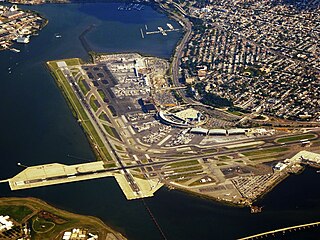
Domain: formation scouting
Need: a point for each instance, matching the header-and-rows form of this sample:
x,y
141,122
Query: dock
x,y
56,173
162,31
142,35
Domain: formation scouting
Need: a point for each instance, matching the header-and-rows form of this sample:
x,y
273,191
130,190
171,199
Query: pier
x,y
83,39
160,30
282,230
142,35
55,173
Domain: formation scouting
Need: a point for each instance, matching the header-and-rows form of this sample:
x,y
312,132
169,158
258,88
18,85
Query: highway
x,y
178,53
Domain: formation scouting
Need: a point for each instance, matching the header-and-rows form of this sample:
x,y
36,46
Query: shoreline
x,y
92,55
92,142
38,205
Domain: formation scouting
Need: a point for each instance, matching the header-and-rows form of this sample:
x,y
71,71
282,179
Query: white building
x,y
280,166
5,223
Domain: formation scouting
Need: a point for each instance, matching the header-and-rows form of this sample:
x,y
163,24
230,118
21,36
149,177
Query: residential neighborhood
x,y
260,55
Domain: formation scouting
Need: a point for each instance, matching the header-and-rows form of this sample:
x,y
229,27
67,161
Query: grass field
x,y
18,213
184,175
104,117
93,104
265,151
40,225
73,61
49,228
187,169
183,163
119,148
112,132
78,109
102,94
82,87
269,158
109,165
224,157
296,138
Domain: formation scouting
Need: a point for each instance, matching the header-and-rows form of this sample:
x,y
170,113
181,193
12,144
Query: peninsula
x,y
145,139
29,218
154,122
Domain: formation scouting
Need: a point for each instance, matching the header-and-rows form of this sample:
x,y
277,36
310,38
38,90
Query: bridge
x,y
282,230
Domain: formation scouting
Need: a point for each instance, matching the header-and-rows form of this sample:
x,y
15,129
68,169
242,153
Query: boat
x,y
22,39
57,35
15,50
170,26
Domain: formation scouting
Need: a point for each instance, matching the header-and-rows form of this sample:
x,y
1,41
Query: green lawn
x,y
72,61
79,111
102,94
110,165
104,117
221,164
40,225
183,163
265,151
185,175
268,159
82,87
74,72
112,132
45,228
237,113
92,103
118,147
18,213
187,169
295,138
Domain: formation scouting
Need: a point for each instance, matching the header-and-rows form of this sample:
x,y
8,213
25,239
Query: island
x,y
30,218
17,25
